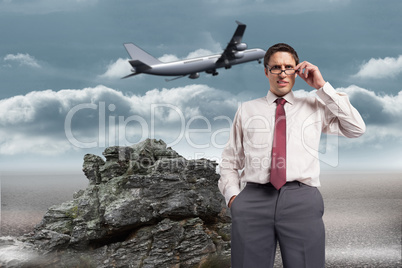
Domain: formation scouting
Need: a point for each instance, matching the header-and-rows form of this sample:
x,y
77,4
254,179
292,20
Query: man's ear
x,y
266,72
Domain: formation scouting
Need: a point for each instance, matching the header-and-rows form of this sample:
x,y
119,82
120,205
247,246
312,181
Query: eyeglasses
x,y
276,70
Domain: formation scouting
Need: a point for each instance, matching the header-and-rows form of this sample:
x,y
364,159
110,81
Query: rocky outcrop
x,y
145,206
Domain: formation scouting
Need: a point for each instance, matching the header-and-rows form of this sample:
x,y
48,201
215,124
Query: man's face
x,y
281,84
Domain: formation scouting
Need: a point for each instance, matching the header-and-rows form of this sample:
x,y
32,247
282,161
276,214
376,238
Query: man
x,y
273,148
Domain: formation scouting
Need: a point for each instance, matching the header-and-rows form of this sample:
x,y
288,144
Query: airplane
x,y
235,52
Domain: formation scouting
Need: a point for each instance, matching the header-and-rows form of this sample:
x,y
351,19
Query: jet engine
x,y
194,75
241,46
239,54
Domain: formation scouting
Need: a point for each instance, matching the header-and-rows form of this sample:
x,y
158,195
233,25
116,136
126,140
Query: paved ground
x,y
363,218
363,213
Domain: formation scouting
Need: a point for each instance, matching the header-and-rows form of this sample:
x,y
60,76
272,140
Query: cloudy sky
x,y
61,95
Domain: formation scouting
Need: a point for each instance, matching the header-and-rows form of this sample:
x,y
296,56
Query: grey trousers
x,y
292,216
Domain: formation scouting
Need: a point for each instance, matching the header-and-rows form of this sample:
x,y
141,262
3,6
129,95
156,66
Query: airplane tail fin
x,y
140,60
139,55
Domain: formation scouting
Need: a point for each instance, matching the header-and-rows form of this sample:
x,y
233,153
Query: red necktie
x,y
278,158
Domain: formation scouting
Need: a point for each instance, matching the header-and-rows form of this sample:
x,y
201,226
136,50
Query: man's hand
x,y
311,74
231,201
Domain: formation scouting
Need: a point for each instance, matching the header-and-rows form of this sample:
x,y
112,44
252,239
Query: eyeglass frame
x,y
282,71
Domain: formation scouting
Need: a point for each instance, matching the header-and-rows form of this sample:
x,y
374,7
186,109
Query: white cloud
x,y
380,68
194,54
382,115
117,69
168,58
22,59
375,109
210,44
59,122
300,93
199,53
50,122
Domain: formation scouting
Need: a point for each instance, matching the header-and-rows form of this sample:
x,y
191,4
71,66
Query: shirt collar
x,y
271,97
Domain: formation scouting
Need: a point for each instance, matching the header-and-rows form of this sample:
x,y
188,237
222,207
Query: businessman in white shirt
x,y
273,149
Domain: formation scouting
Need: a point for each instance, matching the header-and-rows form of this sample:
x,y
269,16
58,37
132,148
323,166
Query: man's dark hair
x,y
280,47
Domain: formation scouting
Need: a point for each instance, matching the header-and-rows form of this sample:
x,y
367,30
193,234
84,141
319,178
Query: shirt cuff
x,y
328,93
231,192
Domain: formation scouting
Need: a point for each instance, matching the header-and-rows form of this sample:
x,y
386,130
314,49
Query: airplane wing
x,y
234,44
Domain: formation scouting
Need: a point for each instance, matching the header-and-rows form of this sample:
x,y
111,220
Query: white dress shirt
x,y
247,156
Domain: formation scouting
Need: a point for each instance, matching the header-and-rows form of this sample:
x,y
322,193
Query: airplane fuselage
x,y
208,64
235,53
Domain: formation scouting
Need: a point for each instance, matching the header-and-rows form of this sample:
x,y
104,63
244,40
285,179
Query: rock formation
x,y
145,206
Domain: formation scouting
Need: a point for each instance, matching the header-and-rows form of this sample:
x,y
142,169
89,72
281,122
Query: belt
x,y
288,184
